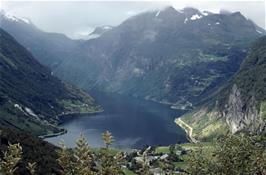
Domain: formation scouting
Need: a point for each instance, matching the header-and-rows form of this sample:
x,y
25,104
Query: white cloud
x,y
71,17
131,13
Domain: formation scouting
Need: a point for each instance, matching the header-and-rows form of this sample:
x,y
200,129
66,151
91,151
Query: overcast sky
x,y
78,18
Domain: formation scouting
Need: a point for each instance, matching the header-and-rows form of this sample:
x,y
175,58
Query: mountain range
x,y
170,56
177,57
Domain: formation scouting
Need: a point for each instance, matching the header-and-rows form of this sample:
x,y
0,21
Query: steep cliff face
x,y
242,115
240,105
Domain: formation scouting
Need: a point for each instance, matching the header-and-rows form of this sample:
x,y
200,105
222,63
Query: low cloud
x,y
76,18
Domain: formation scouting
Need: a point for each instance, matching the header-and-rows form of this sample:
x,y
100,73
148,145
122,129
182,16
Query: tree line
x,y
241,154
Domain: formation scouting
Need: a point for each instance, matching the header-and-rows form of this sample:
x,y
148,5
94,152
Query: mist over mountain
x,y
170,56
31,97
98,31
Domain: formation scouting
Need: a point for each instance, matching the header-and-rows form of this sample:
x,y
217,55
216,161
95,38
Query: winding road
x,y
188,129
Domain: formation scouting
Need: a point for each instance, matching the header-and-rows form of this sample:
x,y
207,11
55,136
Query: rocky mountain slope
x,y
170,56
30,96
240,105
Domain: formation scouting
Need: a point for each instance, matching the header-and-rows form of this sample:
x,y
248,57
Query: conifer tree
x,y
109,163
76,162
83,159
65,160
11,158
32,168
107,138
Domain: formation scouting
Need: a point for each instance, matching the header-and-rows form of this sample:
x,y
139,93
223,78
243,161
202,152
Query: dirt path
x,y
188,129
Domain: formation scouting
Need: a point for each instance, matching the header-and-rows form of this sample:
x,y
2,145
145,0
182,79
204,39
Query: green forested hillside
x,y
240,104
251,78
30,96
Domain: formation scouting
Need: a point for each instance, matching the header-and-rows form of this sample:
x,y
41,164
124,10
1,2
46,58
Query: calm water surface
x,y
134,123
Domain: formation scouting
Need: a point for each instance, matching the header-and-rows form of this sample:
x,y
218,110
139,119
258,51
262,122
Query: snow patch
x,y
205,13
195,17
158,13
18,106
30,112
25,20
209,24
217,23
107,27
27,111
11,17
16,19
259,31
185,21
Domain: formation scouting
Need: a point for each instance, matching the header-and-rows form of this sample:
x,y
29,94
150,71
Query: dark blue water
x,y
134,123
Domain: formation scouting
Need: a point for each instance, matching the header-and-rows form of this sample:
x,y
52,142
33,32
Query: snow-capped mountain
x,y
168,55
10,17
190,52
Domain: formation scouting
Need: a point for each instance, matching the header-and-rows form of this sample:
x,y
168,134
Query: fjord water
x,y
133,122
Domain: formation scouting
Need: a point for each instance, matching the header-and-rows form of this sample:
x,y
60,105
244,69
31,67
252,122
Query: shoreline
x,y
53,134
78,113
188,129
63,130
